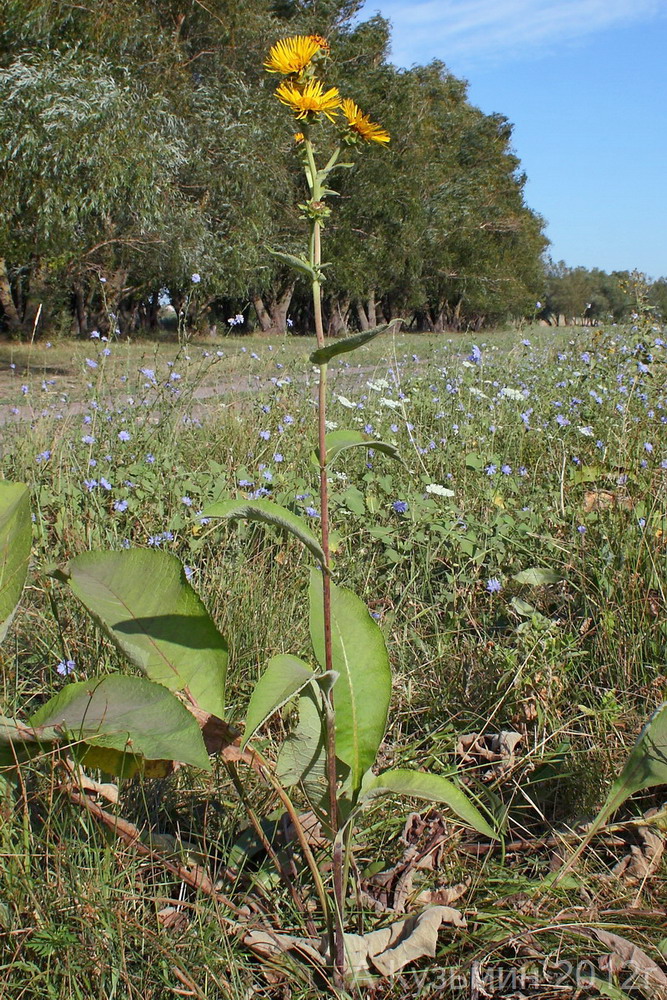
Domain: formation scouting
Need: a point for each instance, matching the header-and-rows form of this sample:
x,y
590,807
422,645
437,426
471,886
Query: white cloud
x,y
464,33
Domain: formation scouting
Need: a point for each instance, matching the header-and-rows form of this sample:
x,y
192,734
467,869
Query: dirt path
x,y
220,391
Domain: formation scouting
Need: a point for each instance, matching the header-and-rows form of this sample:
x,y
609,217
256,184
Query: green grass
x,y
575,666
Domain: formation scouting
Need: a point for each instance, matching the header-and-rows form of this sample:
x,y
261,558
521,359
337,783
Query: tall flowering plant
x,y
343,704
145,603
300,60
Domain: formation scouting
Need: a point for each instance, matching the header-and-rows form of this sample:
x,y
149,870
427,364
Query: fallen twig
x,y
195,877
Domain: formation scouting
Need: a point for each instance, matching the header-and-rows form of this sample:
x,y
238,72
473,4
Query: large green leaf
x,y
284,676
433,788
129,714
19,741
268,513
302,757
363,689
115,762
298,263
143,601
646,767
13,731
324,354
15,542
337,441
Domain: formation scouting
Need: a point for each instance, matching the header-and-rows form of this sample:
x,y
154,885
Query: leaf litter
x,y
426,840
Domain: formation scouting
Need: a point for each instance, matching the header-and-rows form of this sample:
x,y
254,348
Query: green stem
x,y
268,847
312,178
268,775
346,836
339,891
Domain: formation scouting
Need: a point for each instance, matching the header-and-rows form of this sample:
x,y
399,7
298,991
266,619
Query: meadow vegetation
x,y
334,665
530,449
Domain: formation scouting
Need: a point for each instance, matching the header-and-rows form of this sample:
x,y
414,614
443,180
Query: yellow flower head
x,y
309,99
299,137
361,124
291,55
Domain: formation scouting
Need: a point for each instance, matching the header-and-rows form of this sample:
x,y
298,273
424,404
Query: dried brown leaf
x,y
173,918
426,839
625,954
598,500
495,749
388,891
443,896
272,944
428,835
391,948
385,951
643,859
312,830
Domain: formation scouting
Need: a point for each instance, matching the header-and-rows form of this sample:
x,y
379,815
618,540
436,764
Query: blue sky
x,y
585,84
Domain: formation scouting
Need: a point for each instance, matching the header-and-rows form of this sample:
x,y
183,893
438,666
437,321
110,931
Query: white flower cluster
x,y
344,401
514,394
438,490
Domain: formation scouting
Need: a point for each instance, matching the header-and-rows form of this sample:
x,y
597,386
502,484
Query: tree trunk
x,y
361,315
338,318
178,302
80,313
273,319
262,313
34,315
131,317
11,316
371,309
279,308
152,313
115,292
436,320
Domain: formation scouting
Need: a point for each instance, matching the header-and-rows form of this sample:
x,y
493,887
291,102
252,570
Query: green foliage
x,y
15,544
110,722
267,512
590,295
339,441
93,147
283,678
19,741
433,788
573,665
128,714
148,609
363,688
130,150
302,759
645,768
325,354
537,576
297,263
444,561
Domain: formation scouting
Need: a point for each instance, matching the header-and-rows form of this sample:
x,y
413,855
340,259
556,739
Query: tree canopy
x,y
594,296
140,142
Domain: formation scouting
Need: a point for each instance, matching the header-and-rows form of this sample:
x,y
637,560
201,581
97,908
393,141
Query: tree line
x,y
592,296
141,145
